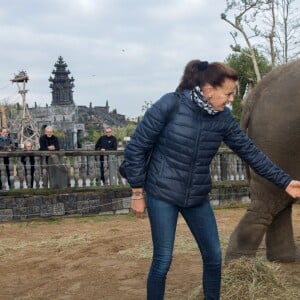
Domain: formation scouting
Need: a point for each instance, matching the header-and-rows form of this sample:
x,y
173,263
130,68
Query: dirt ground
x,y
103,257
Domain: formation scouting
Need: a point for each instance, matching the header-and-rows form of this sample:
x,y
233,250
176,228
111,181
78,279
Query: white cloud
x,y
126,51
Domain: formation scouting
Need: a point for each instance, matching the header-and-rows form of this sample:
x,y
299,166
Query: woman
x,y
178,177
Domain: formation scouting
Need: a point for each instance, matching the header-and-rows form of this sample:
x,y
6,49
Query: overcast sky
x,y
123,51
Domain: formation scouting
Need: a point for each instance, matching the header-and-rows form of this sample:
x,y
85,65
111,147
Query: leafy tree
x,y
242,15
93,134
146,105
121,132
242,63
268,25
59,133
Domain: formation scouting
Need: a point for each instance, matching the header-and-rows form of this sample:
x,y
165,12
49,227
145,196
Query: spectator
x,y
106,142
48,141
28,147
6,144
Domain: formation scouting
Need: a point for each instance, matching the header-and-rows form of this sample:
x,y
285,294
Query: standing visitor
x,y
106,142
6,145
48,141
177,178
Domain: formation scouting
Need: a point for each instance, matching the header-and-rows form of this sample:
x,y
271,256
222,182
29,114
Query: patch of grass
x,y
57,242
183,244
105,218
252,279
62,242
7,245
52,221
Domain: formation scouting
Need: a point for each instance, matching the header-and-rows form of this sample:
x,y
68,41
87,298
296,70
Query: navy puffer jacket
x,y
183,148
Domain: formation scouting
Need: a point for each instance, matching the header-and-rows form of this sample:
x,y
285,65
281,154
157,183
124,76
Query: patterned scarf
x,y
198,97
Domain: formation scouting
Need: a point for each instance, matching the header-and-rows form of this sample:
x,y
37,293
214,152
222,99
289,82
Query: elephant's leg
x,y
280,242
269,212
247,236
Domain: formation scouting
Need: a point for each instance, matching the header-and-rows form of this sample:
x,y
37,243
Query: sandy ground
x,y
103,257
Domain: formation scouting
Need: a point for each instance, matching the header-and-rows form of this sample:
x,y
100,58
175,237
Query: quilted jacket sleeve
x,y
243,146
145,137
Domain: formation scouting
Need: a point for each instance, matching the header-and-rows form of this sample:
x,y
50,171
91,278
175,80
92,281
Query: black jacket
x,y
6,143
45,142
107,143
179,170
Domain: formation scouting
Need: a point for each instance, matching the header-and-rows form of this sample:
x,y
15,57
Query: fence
x,y
69,183
44,169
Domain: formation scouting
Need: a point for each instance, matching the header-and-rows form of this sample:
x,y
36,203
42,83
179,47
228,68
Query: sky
x,y
126,52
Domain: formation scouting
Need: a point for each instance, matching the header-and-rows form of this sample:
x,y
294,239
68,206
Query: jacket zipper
x,y
199,132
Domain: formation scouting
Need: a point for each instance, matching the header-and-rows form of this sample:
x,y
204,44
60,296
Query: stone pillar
x,y
58,172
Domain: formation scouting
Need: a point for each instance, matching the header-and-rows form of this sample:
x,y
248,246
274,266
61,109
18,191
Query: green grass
x,y
105,218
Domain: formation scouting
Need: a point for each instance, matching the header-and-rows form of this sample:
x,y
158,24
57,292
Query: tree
x,y
121,132
245,14
146,105
242,63
288,34
281,31
268,25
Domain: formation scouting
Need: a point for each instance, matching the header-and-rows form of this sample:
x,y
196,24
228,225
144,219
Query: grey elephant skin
x,y
271,118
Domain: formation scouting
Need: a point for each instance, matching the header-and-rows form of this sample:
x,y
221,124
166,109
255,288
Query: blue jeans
x,y
201,221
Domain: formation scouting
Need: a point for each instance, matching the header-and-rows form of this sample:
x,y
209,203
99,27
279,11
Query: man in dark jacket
x,y
106,142
48,141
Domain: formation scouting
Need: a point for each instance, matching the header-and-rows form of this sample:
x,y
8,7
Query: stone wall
x,y
53,203
26,205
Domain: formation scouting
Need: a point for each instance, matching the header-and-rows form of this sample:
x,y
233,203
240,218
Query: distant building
x,y
64,115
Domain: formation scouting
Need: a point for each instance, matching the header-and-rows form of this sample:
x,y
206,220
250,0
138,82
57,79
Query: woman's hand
x,y
138,203
293,189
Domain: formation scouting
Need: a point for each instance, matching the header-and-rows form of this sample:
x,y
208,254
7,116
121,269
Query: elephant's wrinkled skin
x,y
271,117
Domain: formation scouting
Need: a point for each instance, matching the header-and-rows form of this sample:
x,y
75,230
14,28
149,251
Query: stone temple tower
x,y
61,85
63,113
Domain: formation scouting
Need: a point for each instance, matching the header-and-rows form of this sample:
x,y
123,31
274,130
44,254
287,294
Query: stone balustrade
x,y
68,183
81,168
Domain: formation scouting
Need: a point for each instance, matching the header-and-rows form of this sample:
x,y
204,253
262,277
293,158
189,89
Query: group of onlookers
x,y
49,142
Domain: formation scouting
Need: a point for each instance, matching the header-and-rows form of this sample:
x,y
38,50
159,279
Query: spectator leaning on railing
x,y
6,144
48,141
106,142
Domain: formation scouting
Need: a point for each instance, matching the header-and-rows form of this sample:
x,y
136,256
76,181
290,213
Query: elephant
x,y
271,119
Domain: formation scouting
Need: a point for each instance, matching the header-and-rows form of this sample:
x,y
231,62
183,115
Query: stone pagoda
x,y
61,85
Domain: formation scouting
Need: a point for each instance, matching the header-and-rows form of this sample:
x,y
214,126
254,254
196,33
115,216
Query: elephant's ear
x,y
247,107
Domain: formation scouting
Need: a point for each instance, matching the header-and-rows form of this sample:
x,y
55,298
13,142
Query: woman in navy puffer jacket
x,y
183,131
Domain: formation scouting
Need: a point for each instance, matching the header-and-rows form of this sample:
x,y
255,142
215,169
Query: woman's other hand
x,y
138,203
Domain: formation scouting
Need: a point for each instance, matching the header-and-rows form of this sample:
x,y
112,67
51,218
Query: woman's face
x,y
220,96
